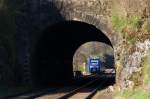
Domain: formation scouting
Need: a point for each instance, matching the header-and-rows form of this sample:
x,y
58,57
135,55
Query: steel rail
x,y
73,92
94,91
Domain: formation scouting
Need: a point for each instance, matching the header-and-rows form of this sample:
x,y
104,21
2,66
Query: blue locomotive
x,y
94,65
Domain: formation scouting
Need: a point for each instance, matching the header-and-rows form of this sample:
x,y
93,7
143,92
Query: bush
x,y
121,22
146,26
128,26
146,69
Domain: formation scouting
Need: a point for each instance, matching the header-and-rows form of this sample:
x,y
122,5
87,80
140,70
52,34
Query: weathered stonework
x,y
34,16
85,11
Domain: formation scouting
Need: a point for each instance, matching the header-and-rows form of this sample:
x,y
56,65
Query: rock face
x,y
128,56
129,61
130,42
132,65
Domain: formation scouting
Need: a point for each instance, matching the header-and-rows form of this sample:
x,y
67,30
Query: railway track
x,y
88,90
32,95
85,91
47,91
64,91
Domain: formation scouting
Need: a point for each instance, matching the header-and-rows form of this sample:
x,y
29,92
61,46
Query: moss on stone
x,y
119,22
122,22
146,68
128,26
146,26
136,77
147,1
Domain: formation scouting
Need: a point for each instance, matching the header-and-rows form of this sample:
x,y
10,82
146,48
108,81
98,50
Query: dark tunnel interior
x,y
52,59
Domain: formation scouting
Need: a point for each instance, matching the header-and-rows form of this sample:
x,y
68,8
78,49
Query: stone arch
x,y
55,52
96,20
100,21
46,13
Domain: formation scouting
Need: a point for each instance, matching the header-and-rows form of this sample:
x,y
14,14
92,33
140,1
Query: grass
x,y
147,26
121,22
127,25
146,68
141,95
133,94
81,68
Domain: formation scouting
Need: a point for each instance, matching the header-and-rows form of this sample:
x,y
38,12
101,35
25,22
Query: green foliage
x,y
134,22
121,22
146,68
133,94
141,95
147,26
127,25
132,39
81,68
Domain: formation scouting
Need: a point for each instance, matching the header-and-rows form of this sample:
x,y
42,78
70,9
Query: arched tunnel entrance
x,y
102,56
54,51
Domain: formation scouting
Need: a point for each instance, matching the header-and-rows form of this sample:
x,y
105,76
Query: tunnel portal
x,y
53,55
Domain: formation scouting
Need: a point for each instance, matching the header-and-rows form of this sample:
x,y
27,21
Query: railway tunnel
x,y
54,51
